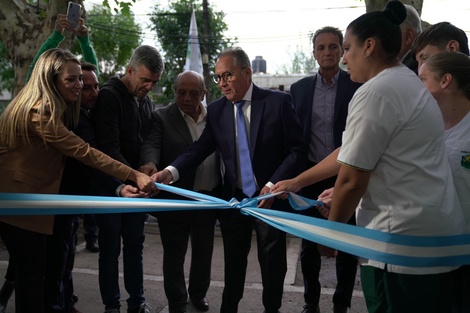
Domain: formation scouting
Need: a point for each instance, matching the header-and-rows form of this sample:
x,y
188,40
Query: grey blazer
x,y
168,138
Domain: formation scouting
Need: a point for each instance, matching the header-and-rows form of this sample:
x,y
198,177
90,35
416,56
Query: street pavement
x,y
86,279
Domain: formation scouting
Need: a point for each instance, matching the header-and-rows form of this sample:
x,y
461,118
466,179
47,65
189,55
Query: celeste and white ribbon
x,y
366,243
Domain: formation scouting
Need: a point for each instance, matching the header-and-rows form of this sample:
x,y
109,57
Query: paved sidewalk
x,y
86,280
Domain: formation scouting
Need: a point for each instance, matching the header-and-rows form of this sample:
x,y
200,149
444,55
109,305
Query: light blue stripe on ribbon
x,y
370,244
301,203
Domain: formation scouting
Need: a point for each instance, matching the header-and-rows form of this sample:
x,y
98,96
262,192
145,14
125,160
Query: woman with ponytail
x,y
394,162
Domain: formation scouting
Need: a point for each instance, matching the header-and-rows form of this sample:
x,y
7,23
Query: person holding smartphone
x,y
53,41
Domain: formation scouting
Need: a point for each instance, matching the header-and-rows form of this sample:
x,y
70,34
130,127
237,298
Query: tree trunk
x,y
205,47
23,29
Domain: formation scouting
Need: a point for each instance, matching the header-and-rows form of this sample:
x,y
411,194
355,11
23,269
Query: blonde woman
x,y
34,141
447,76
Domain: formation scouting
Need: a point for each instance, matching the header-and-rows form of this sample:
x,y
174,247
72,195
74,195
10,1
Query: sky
x,y
275,30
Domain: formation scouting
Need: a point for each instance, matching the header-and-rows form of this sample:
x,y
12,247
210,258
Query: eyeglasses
x,y
226,77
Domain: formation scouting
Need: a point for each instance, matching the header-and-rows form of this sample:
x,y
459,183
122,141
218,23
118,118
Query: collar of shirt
x,y
334,79
202,114
247,106
248,94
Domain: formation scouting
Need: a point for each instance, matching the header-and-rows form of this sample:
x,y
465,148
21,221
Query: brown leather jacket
x,y
38,167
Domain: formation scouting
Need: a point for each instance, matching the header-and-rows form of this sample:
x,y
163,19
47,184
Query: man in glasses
x,y
273,141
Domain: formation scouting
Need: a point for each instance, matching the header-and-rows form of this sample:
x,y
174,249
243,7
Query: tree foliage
x,y
6,69
114,37
172,28
302,63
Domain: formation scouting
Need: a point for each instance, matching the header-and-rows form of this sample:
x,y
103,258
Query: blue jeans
x,y
113,227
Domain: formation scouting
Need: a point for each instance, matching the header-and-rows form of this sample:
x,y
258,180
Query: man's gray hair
x,y
412,20
149,57
240,58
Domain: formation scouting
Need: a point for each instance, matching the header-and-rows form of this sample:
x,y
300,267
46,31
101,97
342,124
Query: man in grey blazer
x,y
174,128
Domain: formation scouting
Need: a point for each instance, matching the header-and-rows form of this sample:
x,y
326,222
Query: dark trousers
x,y
28,249
462,290
237,231
58,283
176,228
387,292
91,230
113,227
67,279
310,259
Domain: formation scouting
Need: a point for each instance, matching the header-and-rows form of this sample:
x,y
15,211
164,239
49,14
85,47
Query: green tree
x,y
114,37
172,27
302,63
6,69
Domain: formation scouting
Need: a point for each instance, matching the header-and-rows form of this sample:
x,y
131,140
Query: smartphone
x,y
73,13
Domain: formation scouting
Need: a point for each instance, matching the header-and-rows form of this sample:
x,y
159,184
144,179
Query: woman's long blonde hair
x,y
40,92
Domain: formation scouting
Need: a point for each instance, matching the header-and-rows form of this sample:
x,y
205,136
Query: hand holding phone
x,y
73,14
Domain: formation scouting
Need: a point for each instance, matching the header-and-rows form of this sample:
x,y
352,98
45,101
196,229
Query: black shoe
x,y
74,298
143,308
311,308
200,303
339,308
5,294
93,247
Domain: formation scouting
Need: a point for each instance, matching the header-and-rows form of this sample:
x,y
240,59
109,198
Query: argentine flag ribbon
x,y
366,243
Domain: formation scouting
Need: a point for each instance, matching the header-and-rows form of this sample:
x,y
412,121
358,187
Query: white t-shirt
x,y
395,130
457,140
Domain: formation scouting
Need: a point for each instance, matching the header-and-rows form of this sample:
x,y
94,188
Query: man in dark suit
x,y
321,102
275,152
175,127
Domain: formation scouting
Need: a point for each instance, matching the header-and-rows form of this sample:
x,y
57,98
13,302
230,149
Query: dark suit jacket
x,y
302,96
276,143
79,179
169,138
410,62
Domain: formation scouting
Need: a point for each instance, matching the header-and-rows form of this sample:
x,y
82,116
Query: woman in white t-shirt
x,y
447,76
393,158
